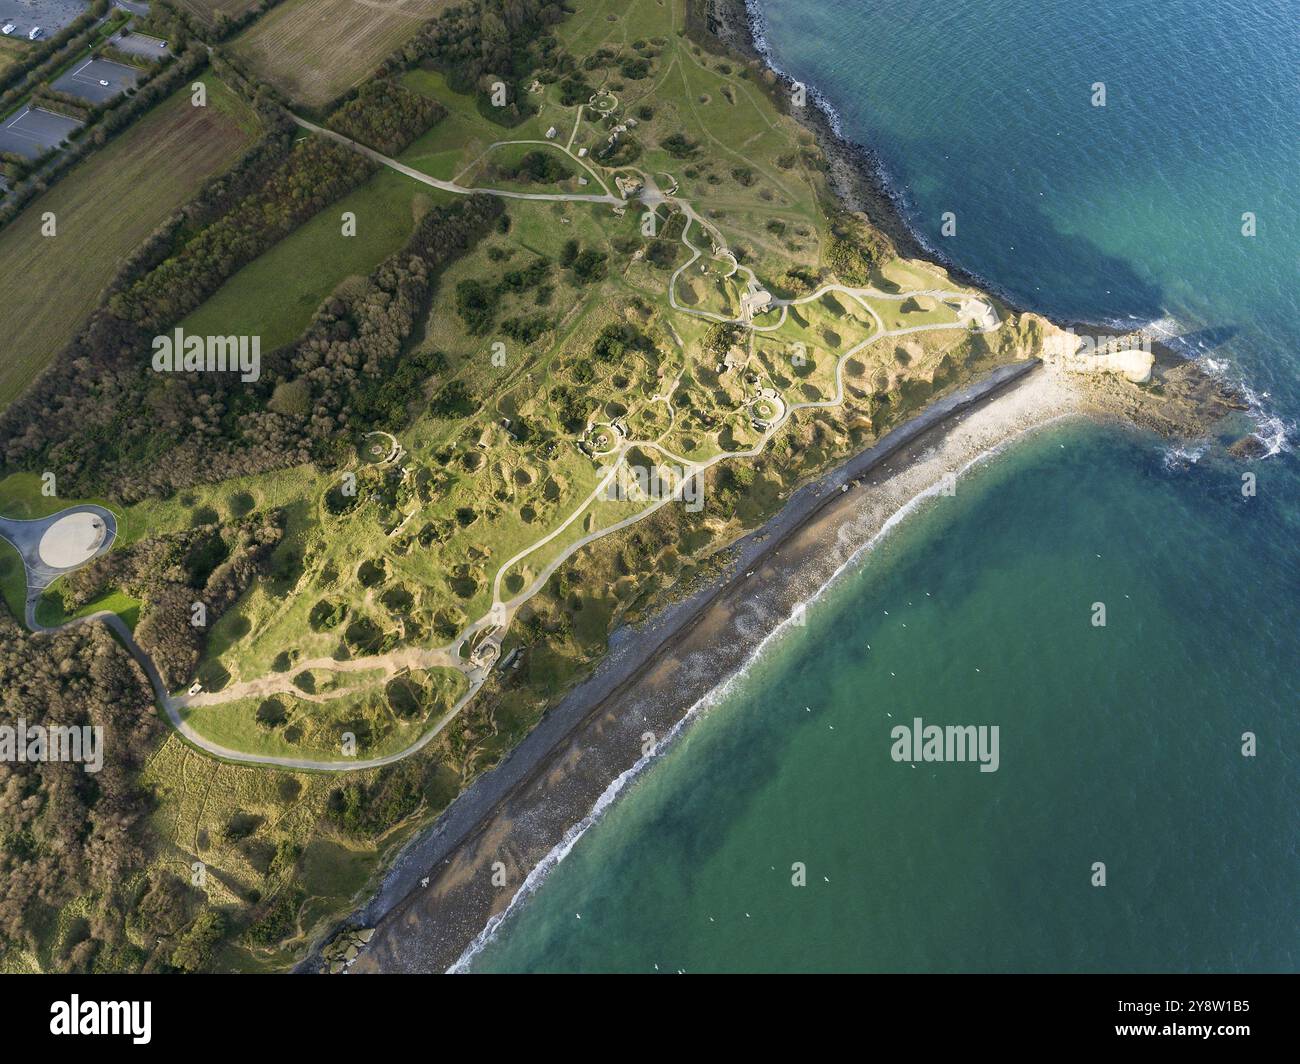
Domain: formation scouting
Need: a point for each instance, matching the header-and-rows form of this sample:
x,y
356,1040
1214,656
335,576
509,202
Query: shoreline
x,y
437,902
861,182
856,173
1195,395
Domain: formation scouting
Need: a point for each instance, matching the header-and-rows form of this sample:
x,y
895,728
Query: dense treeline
x,y
369,809
478,43
133,59
855,249
62,103
385,116
224,26
477,39
170,24
219,27
66,833
537,167
211,565
477,301
316,172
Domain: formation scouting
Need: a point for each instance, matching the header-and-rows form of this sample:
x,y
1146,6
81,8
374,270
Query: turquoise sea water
x,y
1119,744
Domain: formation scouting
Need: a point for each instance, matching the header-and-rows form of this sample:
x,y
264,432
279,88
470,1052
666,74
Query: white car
x,y
36,32
195,687
7,28
103,82
162,44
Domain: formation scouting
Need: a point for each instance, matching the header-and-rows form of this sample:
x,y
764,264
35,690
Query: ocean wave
x,y
1272,430
758,35
1177,459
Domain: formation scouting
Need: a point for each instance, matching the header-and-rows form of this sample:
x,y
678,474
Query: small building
x,y
755,301
551,133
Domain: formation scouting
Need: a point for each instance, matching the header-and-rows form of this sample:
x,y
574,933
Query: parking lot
x,y
50,15
139,44
31,132
97,80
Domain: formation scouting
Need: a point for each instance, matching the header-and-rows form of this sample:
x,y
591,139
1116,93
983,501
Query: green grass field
x,y
13,582
276,295
314,729
50,611
103,208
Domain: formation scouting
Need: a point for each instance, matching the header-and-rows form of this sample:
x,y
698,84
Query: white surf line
x,y
716,695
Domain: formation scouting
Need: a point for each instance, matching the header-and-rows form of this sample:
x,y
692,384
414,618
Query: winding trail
x,y
974,313
451,186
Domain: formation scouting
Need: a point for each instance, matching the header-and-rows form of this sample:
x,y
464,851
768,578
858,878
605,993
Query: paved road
x,y
25,537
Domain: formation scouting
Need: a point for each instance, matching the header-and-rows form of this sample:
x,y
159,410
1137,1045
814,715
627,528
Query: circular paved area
x,y
72,540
